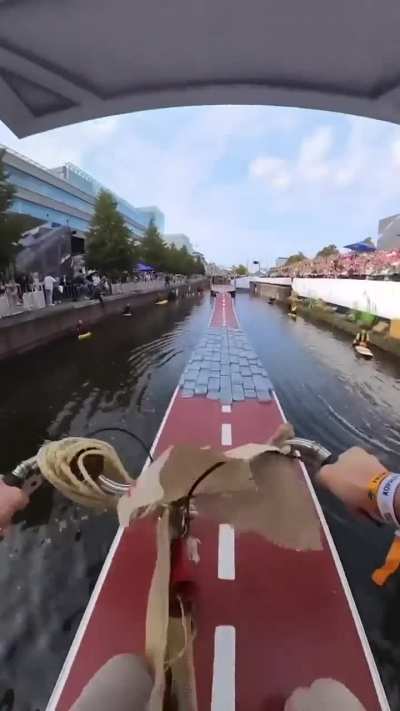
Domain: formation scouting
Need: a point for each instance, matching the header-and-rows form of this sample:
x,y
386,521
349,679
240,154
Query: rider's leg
x,y
124,683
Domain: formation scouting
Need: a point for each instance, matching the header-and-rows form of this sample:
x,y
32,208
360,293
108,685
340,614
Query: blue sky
x,y
242,182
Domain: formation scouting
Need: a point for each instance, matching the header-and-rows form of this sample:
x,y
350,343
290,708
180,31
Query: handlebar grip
x,y
11,480
332,459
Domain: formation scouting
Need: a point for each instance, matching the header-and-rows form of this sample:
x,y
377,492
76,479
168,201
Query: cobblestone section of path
x,y
225,367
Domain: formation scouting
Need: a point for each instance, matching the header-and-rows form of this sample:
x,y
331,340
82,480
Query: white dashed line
x,y
226,434
226,408
226,552
223,684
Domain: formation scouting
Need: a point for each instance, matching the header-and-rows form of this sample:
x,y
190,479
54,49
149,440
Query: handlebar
x,y
27,475
309,448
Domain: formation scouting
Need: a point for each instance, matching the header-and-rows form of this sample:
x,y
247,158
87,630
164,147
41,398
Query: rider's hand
x,y
12,500
350,477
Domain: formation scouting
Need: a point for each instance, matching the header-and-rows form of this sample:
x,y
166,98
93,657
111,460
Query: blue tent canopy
x,y
360,247
140,267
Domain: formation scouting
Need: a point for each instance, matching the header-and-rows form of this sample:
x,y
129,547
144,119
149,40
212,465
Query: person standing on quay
x,y
48,284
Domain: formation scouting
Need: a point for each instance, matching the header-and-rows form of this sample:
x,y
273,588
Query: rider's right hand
x,y
349,479
12,500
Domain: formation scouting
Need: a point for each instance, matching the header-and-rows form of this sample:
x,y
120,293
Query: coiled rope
x,y
73,466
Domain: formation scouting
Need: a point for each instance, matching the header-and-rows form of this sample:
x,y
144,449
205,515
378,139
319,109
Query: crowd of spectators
x,y
370,265
62,288
82,285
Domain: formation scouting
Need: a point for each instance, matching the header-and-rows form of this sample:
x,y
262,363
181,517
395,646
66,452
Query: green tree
x,y
109,245
328,251
172,259
11,229
295,258
186,262
241,270
370,241
199,266
153,250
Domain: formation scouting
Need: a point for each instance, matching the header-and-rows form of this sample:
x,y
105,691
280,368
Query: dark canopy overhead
x,y
63,61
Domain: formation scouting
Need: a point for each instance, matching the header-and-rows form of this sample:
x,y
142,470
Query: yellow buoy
x,y
363,351
161,303
84,336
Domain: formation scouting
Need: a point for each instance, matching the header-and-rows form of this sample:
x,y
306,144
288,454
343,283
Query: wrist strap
x,y
375,483
385,498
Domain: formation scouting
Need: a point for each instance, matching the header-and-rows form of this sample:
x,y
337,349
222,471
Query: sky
x,y
244,183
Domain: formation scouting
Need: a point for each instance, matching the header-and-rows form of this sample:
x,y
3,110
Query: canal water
x,y
124,376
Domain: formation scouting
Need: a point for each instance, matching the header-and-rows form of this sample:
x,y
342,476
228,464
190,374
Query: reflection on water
x,y
125,375
332,396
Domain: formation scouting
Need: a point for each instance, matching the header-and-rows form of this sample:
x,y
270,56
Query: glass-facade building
x,y
66,196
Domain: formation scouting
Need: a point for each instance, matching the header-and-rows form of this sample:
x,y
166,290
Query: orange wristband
x,y
374,485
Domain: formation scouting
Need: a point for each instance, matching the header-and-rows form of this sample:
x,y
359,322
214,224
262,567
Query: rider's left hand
x,y
12,500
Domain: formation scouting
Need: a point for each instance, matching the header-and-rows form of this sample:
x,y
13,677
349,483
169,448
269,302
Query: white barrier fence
x,y
130,287
276,281
242,282
10,305
32,300
377,297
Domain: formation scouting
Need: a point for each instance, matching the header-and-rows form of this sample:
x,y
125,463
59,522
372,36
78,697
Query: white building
x,y
389,233
179,240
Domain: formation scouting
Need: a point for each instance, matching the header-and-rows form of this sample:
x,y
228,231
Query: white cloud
x,y
367,159
242,182
142,161
313,163
72,143
273,170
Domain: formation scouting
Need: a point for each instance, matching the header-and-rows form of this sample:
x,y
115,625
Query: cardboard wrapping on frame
x,y
157,614
255,489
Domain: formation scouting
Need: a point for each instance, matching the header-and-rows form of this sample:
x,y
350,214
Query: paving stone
x,y
245,371
225,370
236,379
213,383
243,361
261,382
202,378
250,393
235,368
215,367
226,397
206,364
189,384
248,383
256,370
187,393
213,394
190,373
237,393
200,389
263,396
234,359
